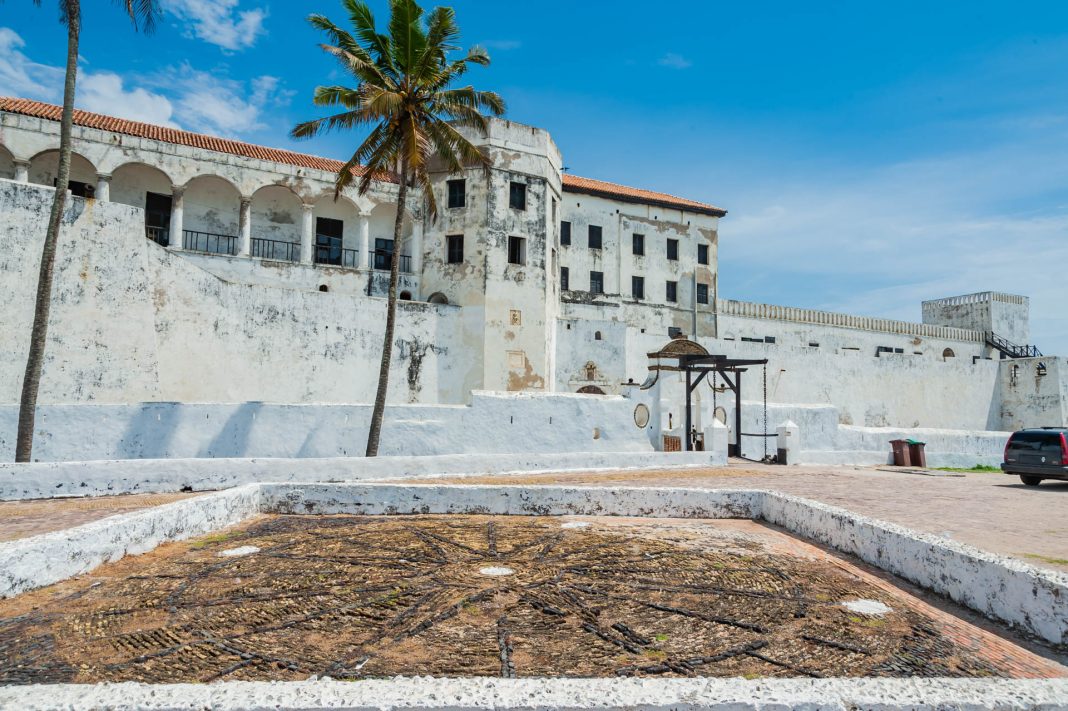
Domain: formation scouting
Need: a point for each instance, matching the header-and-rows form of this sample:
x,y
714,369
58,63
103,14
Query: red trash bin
x,y
901,453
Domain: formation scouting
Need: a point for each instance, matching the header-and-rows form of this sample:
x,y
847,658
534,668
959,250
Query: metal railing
x,y
382,261
209,242
275,249
1010,349
336,256
159,235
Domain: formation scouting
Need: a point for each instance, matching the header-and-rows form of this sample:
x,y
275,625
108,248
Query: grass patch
x,y
1046,559
214,538
976,468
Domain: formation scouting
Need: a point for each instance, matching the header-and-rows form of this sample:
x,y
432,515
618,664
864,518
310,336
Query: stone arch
x,y
44,168
131,182
211,214
948,353
326,209
590,390
276,214
7,163
405,296
438,298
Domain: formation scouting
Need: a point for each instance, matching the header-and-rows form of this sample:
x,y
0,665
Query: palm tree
x,y
404,93
143,15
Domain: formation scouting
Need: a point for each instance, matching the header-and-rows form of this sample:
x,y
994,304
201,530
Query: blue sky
x,y
871,155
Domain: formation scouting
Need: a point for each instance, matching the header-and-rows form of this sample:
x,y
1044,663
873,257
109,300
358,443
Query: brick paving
x,y
992,511
21,519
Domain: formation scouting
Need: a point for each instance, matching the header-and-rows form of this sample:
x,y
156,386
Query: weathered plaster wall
x,y
494,422
1033,392
133,322
1007,315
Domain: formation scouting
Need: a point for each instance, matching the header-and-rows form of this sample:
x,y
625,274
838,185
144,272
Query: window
x,y
673,249
702,254
596,282
595,237
457,193
517,196
565,280
672,291
454,248
638,244
517,250
702,293
328,233
637,287
565,233
383,254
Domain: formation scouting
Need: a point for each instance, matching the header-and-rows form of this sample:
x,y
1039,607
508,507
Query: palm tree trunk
x,y
31,381
391,319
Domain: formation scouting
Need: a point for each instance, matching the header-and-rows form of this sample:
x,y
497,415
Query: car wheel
x,y
1030,480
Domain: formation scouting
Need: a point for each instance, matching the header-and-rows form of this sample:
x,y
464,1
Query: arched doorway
x,y
44,169
276,214
148,188
211,215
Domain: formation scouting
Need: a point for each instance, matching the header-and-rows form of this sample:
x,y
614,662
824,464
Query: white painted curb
x,y
577,694
1020,595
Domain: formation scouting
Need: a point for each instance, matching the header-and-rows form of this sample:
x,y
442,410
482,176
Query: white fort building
x,y
213,298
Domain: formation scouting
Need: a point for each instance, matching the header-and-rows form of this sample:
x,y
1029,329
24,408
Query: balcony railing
x,y
382,261
209,242
337,257
159,235
275,249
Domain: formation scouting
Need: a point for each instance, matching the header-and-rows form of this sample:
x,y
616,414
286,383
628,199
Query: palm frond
x,y
143,13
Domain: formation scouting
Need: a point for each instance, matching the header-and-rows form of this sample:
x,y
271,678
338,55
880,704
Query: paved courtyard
x,y
288,597
991,511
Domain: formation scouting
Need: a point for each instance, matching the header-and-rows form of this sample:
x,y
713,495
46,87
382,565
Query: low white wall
x,y
493,423
998,587
426,694
103,478
825,441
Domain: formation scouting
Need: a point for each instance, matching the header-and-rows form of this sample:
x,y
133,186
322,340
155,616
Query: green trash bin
x,y
917,453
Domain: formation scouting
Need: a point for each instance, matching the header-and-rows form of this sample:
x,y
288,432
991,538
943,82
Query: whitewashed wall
x,y
493,423
134,322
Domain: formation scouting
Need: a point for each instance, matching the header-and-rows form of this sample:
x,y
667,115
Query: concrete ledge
x,y
31,563
524,694
1004,589
138,476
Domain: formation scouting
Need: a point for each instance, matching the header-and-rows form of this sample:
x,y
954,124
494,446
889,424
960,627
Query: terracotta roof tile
x,y
600,188
87,119
572,183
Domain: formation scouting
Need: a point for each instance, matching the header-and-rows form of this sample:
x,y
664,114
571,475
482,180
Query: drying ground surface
x,y
21,519
992,511
288,597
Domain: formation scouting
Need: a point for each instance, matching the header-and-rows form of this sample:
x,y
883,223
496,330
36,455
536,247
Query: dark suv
x,y
1037,454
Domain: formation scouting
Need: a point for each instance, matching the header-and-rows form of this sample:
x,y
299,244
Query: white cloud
x,y
214,104
104,93
675,61
21,77
503,45
219,22
880,242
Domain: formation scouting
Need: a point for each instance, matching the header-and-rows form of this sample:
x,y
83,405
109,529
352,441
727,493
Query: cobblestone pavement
x,y
21,519
991,511
287,597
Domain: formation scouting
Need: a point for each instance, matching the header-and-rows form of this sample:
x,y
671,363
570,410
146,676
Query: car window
x,y
1034,440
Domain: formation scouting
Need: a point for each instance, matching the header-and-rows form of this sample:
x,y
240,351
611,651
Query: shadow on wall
x,y
150,431
233,438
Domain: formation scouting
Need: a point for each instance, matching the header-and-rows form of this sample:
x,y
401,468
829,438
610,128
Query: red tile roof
x,y
572,183
600,188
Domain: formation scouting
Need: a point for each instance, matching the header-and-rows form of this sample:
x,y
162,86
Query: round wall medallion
x,y
641,415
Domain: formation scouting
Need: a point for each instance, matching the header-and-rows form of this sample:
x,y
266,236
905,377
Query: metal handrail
x,y
336,256
209,242
274,249
1010,349
159,235
381,259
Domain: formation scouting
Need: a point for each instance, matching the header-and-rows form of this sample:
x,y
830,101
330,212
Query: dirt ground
x,y
287,597
21,519
991,511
